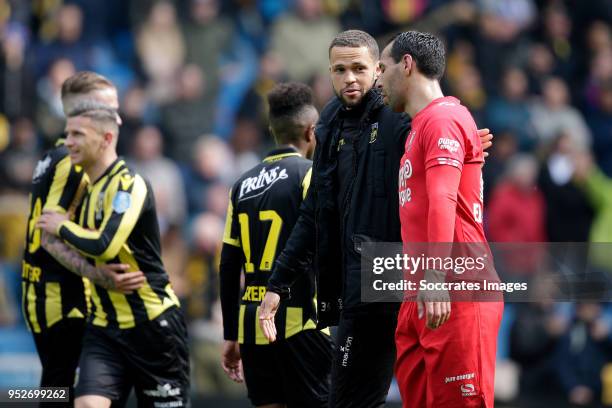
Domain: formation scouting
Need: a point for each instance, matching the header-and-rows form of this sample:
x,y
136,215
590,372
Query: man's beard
x,y
351,103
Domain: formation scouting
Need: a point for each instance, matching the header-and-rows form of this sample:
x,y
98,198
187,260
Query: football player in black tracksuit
x,y
353,199
293,370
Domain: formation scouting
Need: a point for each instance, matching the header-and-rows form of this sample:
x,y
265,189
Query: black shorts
x,y
152,357
294,372
363,360
59,348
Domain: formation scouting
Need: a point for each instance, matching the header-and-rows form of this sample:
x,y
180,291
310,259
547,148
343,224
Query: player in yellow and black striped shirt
x,y
134,339
53,299
264,206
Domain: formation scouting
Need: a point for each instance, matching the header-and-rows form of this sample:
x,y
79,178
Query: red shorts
x,y
453,365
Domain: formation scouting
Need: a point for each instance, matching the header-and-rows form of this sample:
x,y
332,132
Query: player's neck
x,y
96,169
300,147
425,91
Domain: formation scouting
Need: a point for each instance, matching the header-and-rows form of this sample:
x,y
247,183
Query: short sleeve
x,y
444,143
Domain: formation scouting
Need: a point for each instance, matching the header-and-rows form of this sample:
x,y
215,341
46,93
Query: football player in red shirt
x,y
446,359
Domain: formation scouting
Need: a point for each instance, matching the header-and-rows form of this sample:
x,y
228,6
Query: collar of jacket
x,y
372,101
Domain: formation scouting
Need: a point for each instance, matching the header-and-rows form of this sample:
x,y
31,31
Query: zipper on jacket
x,y
347,201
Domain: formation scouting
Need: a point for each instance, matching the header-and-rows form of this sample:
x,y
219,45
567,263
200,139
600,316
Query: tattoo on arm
x,y
72,260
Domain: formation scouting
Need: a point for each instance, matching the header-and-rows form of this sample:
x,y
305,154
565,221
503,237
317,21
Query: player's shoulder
x,y
298,163
47,164
448,108
126,178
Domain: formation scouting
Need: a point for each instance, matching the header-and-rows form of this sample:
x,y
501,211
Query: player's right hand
x,y
231,361
436,313
116,278
267,311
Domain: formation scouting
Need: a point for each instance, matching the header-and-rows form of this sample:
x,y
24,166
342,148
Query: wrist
x,y
284,292
59,227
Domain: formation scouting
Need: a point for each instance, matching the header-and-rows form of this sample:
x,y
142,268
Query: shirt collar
x,y
281,153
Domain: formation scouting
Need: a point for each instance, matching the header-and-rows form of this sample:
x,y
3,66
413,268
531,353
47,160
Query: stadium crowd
x,y
193,75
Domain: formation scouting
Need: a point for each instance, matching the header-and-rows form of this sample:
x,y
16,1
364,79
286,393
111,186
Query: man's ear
x,y
108,138
309,133
407,63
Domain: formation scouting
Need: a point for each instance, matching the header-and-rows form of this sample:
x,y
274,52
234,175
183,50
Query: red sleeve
x,y
442,183
444,143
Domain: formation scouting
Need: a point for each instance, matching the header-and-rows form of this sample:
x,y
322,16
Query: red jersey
x,y
443,134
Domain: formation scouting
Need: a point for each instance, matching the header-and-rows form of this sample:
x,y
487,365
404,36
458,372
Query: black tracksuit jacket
x,y
331,232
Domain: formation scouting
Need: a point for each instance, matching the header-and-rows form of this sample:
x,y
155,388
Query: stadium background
x,y
192,75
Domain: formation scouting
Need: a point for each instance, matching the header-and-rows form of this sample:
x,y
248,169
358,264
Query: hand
x,y
434,303
485,139
50,221
437,313
581,395
267,311
116,278
231,362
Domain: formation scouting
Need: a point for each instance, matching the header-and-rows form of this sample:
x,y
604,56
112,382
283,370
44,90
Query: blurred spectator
x,y
540,66
465,81
600,74
201,272
468,88
49,113
501,25
16,77
212,162
581,355
517,208
510,112
443,15
569,214
217,198
67,44
569,219
403,12
8,315
599,37
534,337
553,115
557,36
301,40
322,91
271,71
246,141
161,49
17,162
502,151
516,214
164,175
598,189
207,36
188,116
600,121
132,111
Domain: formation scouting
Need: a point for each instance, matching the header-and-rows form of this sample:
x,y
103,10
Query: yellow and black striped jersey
x,y
49,291
264,207
118,224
